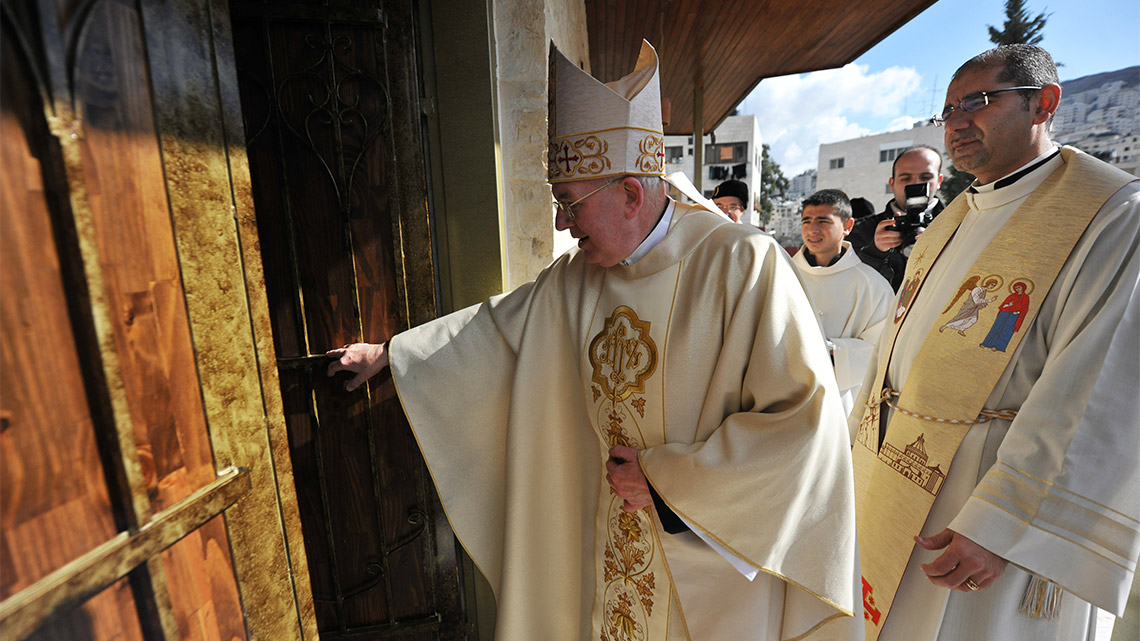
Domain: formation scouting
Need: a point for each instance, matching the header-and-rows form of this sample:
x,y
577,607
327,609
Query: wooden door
x,y
138,487
330,97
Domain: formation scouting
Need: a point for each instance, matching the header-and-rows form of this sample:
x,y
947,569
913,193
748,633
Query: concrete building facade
x,y
733,150
803,185
861,166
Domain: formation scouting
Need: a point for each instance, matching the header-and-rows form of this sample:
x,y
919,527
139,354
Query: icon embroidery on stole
x,y
906,294
967,316
1011,312
623,357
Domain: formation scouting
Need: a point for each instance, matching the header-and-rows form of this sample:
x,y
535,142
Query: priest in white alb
x,y
646,442
997,467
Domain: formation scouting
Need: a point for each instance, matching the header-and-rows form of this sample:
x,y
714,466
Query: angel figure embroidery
x,y
1010,314
967,315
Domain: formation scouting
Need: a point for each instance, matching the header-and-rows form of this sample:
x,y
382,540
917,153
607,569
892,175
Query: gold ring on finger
x,y
970,584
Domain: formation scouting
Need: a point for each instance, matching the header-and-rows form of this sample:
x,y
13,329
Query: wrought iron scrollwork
x,y
335,112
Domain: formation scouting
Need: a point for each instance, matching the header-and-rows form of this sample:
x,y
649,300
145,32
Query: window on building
x,y
835,163
674,154
889,155
733,152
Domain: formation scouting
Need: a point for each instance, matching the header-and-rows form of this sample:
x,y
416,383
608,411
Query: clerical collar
x,y
654,237
811,259
1017,175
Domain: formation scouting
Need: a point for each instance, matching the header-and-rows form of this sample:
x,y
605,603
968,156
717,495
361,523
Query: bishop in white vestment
x,y
689,355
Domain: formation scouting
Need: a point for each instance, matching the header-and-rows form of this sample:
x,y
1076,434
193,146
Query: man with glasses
x,y
646,442
875,238
998,483
731,196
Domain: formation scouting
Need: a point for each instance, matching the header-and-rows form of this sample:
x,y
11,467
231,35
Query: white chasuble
x,y
705,355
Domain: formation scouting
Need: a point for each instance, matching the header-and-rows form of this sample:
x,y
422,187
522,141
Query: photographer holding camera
x,y
883,241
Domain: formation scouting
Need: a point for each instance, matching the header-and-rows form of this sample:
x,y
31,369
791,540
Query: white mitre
x,y
611,129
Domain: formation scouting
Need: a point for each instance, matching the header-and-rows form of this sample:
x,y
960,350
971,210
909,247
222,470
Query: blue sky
x,y
904,77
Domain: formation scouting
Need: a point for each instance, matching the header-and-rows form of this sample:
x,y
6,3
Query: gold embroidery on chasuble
x,y
633,589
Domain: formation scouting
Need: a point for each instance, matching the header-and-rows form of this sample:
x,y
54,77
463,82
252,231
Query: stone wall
x,y
523,30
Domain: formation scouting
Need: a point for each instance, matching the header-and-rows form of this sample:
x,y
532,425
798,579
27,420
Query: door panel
x,y
329,117
110,501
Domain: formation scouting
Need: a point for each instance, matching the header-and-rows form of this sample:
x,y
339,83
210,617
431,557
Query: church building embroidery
x,y
911,463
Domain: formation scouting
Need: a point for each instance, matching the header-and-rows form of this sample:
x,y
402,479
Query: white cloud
x,y
796,113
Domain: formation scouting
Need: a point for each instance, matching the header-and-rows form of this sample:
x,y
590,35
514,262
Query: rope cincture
x,y
888,394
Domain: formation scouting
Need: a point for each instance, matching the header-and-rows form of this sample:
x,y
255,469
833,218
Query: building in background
x,y
861,166
803,185
733,150
1100,115
785,223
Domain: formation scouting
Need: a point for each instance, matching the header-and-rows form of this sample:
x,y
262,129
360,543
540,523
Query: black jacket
x,y
891,263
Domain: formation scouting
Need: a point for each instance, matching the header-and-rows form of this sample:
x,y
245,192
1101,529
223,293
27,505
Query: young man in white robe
x,y
852,300
1037,519
646,442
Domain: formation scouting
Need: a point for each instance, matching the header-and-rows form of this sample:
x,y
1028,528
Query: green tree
x,y
1019,28
773,184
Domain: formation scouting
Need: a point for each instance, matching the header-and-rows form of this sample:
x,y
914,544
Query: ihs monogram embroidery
x,y
623,357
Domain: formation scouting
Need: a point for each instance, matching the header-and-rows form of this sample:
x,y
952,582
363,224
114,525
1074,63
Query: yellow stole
x,y
896,484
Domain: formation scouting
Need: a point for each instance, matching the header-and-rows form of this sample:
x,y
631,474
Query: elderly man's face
x,y
994,140
605,233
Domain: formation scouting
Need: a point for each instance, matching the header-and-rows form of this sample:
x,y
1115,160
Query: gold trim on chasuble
x,y
623,357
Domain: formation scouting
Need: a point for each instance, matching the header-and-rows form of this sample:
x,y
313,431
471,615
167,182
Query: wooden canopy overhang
x,y
714,52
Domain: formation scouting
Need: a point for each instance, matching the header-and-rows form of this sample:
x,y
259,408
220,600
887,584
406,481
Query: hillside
x,y
1130,76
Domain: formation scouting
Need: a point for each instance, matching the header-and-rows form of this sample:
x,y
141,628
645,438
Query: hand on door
x,y
363,359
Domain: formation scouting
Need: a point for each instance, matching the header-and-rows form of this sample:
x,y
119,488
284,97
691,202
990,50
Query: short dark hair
x,y
1023,65
906,151
834,198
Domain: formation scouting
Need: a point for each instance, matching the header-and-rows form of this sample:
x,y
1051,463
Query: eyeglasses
x,y
732,208
972,103
568,208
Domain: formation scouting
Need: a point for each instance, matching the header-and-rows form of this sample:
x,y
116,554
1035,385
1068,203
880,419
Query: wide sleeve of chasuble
x,y
766,468
505,437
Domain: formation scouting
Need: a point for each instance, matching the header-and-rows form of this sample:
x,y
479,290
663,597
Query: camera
x,y
916,215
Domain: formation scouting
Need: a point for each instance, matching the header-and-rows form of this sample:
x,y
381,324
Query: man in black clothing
x,y
875,243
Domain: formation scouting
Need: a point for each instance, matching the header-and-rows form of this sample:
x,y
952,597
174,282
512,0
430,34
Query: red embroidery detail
x,y
569,158
870,613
